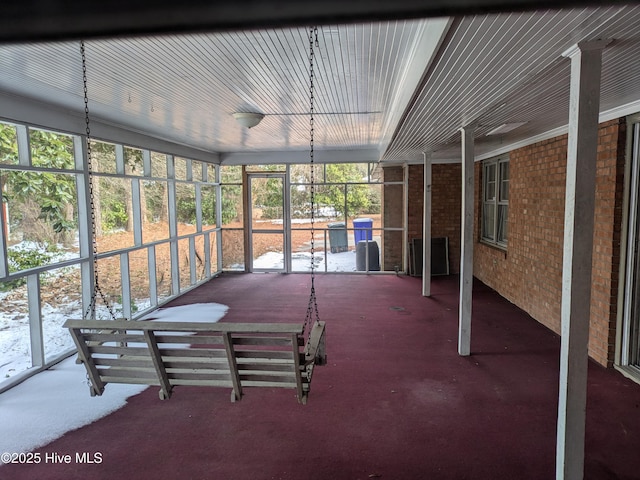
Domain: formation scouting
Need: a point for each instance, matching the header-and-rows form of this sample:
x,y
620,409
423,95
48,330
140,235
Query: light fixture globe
x,y
248,119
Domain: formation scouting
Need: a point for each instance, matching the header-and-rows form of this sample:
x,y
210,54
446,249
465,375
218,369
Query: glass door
x,y
630,351
268,229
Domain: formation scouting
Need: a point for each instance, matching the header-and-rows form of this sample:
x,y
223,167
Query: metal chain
x,y
312,308
91,309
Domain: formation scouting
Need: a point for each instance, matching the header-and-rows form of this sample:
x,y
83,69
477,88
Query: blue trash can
x,y
362,229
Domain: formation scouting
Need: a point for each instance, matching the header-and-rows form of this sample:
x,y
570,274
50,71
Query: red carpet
x,y
394,402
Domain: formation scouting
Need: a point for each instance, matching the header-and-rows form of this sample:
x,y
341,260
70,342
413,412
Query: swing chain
x,y
313,304
97,291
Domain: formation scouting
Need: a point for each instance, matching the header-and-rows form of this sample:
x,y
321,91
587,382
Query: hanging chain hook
x,y
312,308
91,310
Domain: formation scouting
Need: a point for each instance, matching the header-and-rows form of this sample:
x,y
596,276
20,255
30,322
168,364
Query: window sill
x,y
495,246
632,372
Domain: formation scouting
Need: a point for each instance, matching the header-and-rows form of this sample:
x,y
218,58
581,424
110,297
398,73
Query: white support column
x,y
426,228
218,220
405,218
586,63
466,254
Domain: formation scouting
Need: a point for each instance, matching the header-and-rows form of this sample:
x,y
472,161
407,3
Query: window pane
x,y
42,217
211,172
233,249
201,272
51,150
330,202
114,220
196,171
490,182
347,172
502,223
208,203
488,220
139,275
110,283
8,145
103,157
186,207
504,181
213,251
155,213
363,200
60,291
302,173
232,205
133,161
231,174
163,271
158,165
180,168
15,337
184,263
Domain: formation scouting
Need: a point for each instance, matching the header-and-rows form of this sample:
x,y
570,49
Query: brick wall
x,y
529,273
446,205
392,214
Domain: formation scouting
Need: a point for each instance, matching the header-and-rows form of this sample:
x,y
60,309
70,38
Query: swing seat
x,y
167,354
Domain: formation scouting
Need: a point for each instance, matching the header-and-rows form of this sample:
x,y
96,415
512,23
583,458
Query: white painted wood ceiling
x,y
387,90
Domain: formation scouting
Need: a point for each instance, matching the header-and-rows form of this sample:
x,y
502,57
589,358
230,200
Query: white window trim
x,y
496,202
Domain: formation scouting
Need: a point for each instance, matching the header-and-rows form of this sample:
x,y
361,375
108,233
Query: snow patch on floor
x,y
51,403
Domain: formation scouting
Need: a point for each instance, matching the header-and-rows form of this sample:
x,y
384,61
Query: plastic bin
x,y
338,237
367,261
362,229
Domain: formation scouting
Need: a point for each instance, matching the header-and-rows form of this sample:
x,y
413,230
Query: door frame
x,y
627,357
286,221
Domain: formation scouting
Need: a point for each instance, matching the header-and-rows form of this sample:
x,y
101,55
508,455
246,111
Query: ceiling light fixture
x,y
248,119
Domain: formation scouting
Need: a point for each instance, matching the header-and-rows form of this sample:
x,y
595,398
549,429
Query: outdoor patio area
x,y
395,400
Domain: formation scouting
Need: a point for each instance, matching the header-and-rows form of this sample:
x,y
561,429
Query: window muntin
x,y
495,204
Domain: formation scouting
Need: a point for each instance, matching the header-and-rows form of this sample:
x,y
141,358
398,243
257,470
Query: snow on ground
x,y
301,261
53,402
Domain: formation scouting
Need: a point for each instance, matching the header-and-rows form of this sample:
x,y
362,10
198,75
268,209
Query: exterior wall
x,y
446,208
392,216
529,272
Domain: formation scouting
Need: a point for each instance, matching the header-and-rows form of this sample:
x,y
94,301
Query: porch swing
x,y
235,355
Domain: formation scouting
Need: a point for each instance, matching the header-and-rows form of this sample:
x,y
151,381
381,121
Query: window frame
x,y
498,201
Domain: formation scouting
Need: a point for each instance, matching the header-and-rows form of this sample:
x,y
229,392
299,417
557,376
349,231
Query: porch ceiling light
x,y
248,119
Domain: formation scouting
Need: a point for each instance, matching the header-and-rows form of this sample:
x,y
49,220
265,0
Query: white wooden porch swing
x,y
233,355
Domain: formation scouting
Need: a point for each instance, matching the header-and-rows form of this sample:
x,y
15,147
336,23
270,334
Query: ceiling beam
x,y
364,155
35,20
425,50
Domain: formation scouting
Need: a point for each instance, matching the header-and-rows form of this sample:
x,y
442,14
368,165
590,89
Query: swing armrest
x,y
314,352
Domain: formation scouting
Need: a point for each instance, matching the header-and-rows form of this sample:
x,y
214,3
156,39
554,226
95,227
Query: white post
x,y
586,63
466,253
426,228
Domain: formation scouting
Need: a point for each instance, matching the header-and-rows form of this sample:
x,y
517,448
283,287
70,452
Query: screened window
x,y
495,201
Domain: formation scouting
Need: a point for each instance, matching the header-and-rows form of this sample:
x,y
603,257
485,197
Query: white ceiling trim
x,y
364,155
425,48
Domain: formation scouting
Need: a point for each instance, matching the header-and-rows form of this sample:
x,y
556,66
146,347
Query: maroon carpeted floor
x,y
394,402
